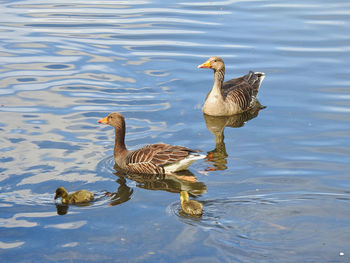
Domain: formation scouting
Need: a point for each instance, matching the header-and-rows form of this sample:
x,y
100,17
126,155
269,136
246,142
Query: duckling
x,y
190,207
81,196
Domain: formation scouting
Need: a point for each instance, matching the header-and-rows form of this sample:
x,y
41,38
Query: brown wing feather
x,y
242,91
152,158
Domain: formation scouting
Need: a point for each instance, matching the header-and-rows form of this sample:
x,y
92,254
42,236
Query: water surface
x,y
276,188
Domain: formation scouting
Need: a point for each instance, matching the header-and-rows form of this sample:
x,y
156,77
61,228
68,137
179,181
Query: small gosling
x,y
190,207
81,196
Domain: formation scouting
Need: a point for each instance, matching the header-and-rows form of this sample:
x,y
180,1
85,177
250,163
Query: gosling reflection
x,y
216,125
190,207
62,209
174,183
122,195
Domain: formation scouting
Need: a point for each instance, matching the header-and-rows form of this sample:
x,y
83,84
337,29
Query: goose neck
x,y
119,144
218,82
219,76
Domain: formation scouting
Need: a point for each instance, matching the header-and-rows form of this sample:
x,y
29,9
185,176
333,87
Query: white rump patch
x,y
184,163
262,76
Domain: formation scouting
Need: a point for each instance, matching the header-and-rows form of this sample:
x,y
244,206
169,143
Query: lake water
x,y
276,188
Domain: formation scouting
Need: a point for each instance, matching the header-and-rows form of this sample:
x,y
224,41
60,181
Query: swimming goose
x,y
81,196
190,207
151,159
233,96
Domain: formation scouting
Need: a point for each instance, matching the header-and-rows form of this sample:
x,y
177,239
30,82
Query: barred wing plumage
x,y
242,91
153,158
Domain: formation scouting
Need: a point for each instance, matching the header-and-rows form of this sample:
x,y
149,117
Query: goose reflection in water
x,y
123,193
216,125
174,183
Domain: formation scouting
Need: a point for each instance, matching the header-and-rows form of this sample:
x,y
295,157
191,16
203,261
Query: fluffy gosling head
x,y
61,192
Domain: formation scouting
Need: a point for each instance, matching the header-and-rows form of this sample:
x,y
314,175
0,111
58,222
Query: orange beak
x,y
205,65
104,120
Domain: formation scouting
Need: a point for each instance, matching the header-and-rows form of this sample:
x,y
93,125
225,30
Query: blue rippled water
x,y
276,188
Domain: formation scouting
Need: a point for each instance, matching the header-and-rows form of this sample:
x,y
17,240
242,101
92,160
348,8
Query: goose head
x,y
214,63
114,119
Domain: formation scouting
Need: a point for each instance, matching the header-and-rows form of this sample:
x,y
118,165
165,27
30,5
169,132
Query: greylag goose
x,y
81,196
151,159
190,207
233,96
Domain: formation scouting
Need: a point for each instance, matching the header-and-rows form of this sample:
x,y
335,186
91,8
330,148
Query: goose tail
x,y
260,76
255,79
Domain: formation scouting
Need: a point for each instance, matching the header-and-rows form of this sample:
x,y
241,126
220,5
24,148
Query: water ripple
x,y
257,223
65,64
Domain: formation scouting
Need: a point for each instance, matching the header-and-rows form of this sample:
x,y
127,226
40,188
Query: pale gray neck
x,y
219,76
